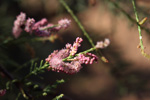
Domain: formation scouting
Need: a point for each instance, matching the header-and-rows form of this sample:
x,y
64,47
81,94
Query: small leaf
x,y
143,21
44,94
36,86
60,81
58,97
41,63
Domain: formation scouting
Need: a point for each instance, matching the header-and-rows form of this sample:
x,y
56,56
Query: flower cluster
x,y
18,23
40,28
66,60
2,92
102,44
88,59
75,46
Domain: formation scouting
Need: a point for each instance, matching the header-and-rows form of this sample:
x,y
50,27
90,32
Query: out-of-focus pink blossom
x,y
18,23
16,31
63,23
102,44
29,24
40,23
2,92
40,28
106,42
20,19
68,46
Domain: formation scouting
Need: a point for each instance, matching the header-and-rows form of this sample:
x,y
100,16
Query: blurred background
x,y
125,77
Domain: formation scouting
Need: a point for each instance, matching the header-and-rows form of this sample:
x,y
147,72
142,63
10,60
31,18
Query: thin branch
x,y
128,15
140,32
139,28
82,28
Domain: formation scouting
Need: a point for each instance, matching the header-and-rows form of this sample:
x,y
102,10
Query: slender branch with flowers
x,y
82,28
40,28
66,60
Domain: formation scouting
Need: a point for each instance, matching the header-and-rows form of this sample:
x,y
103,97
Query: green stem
x,y
23,93
48,27
77,21
128,15
84,52
58,97
140,33
35,71
69,58
139,28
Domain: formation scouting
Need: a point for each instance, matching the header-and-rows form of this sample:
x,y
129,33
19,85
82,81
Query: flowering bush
x,y
66,60
29,64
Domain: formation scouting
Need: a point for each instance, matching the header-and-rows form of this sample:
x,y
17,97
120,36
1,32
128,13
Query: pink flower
x,y
68,46
16,31
87,58
102,44
106,42
40,23
56,60
40,28
29,24
20,19
64,23
2,92
73,65
75,46
18,23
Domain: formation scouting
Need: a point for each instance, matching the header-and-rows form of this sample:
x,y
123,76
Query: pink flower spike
x,y
88,58
102,44
64,23
57,64
21,19
16,31
40,23
93,57
2,92
29,24
75,46
68,46
106,42
99,44
71,65
18,23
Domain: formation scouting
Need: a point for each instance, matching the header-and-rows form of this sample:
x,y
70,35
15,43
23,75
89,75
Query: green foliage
x,y
58,97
